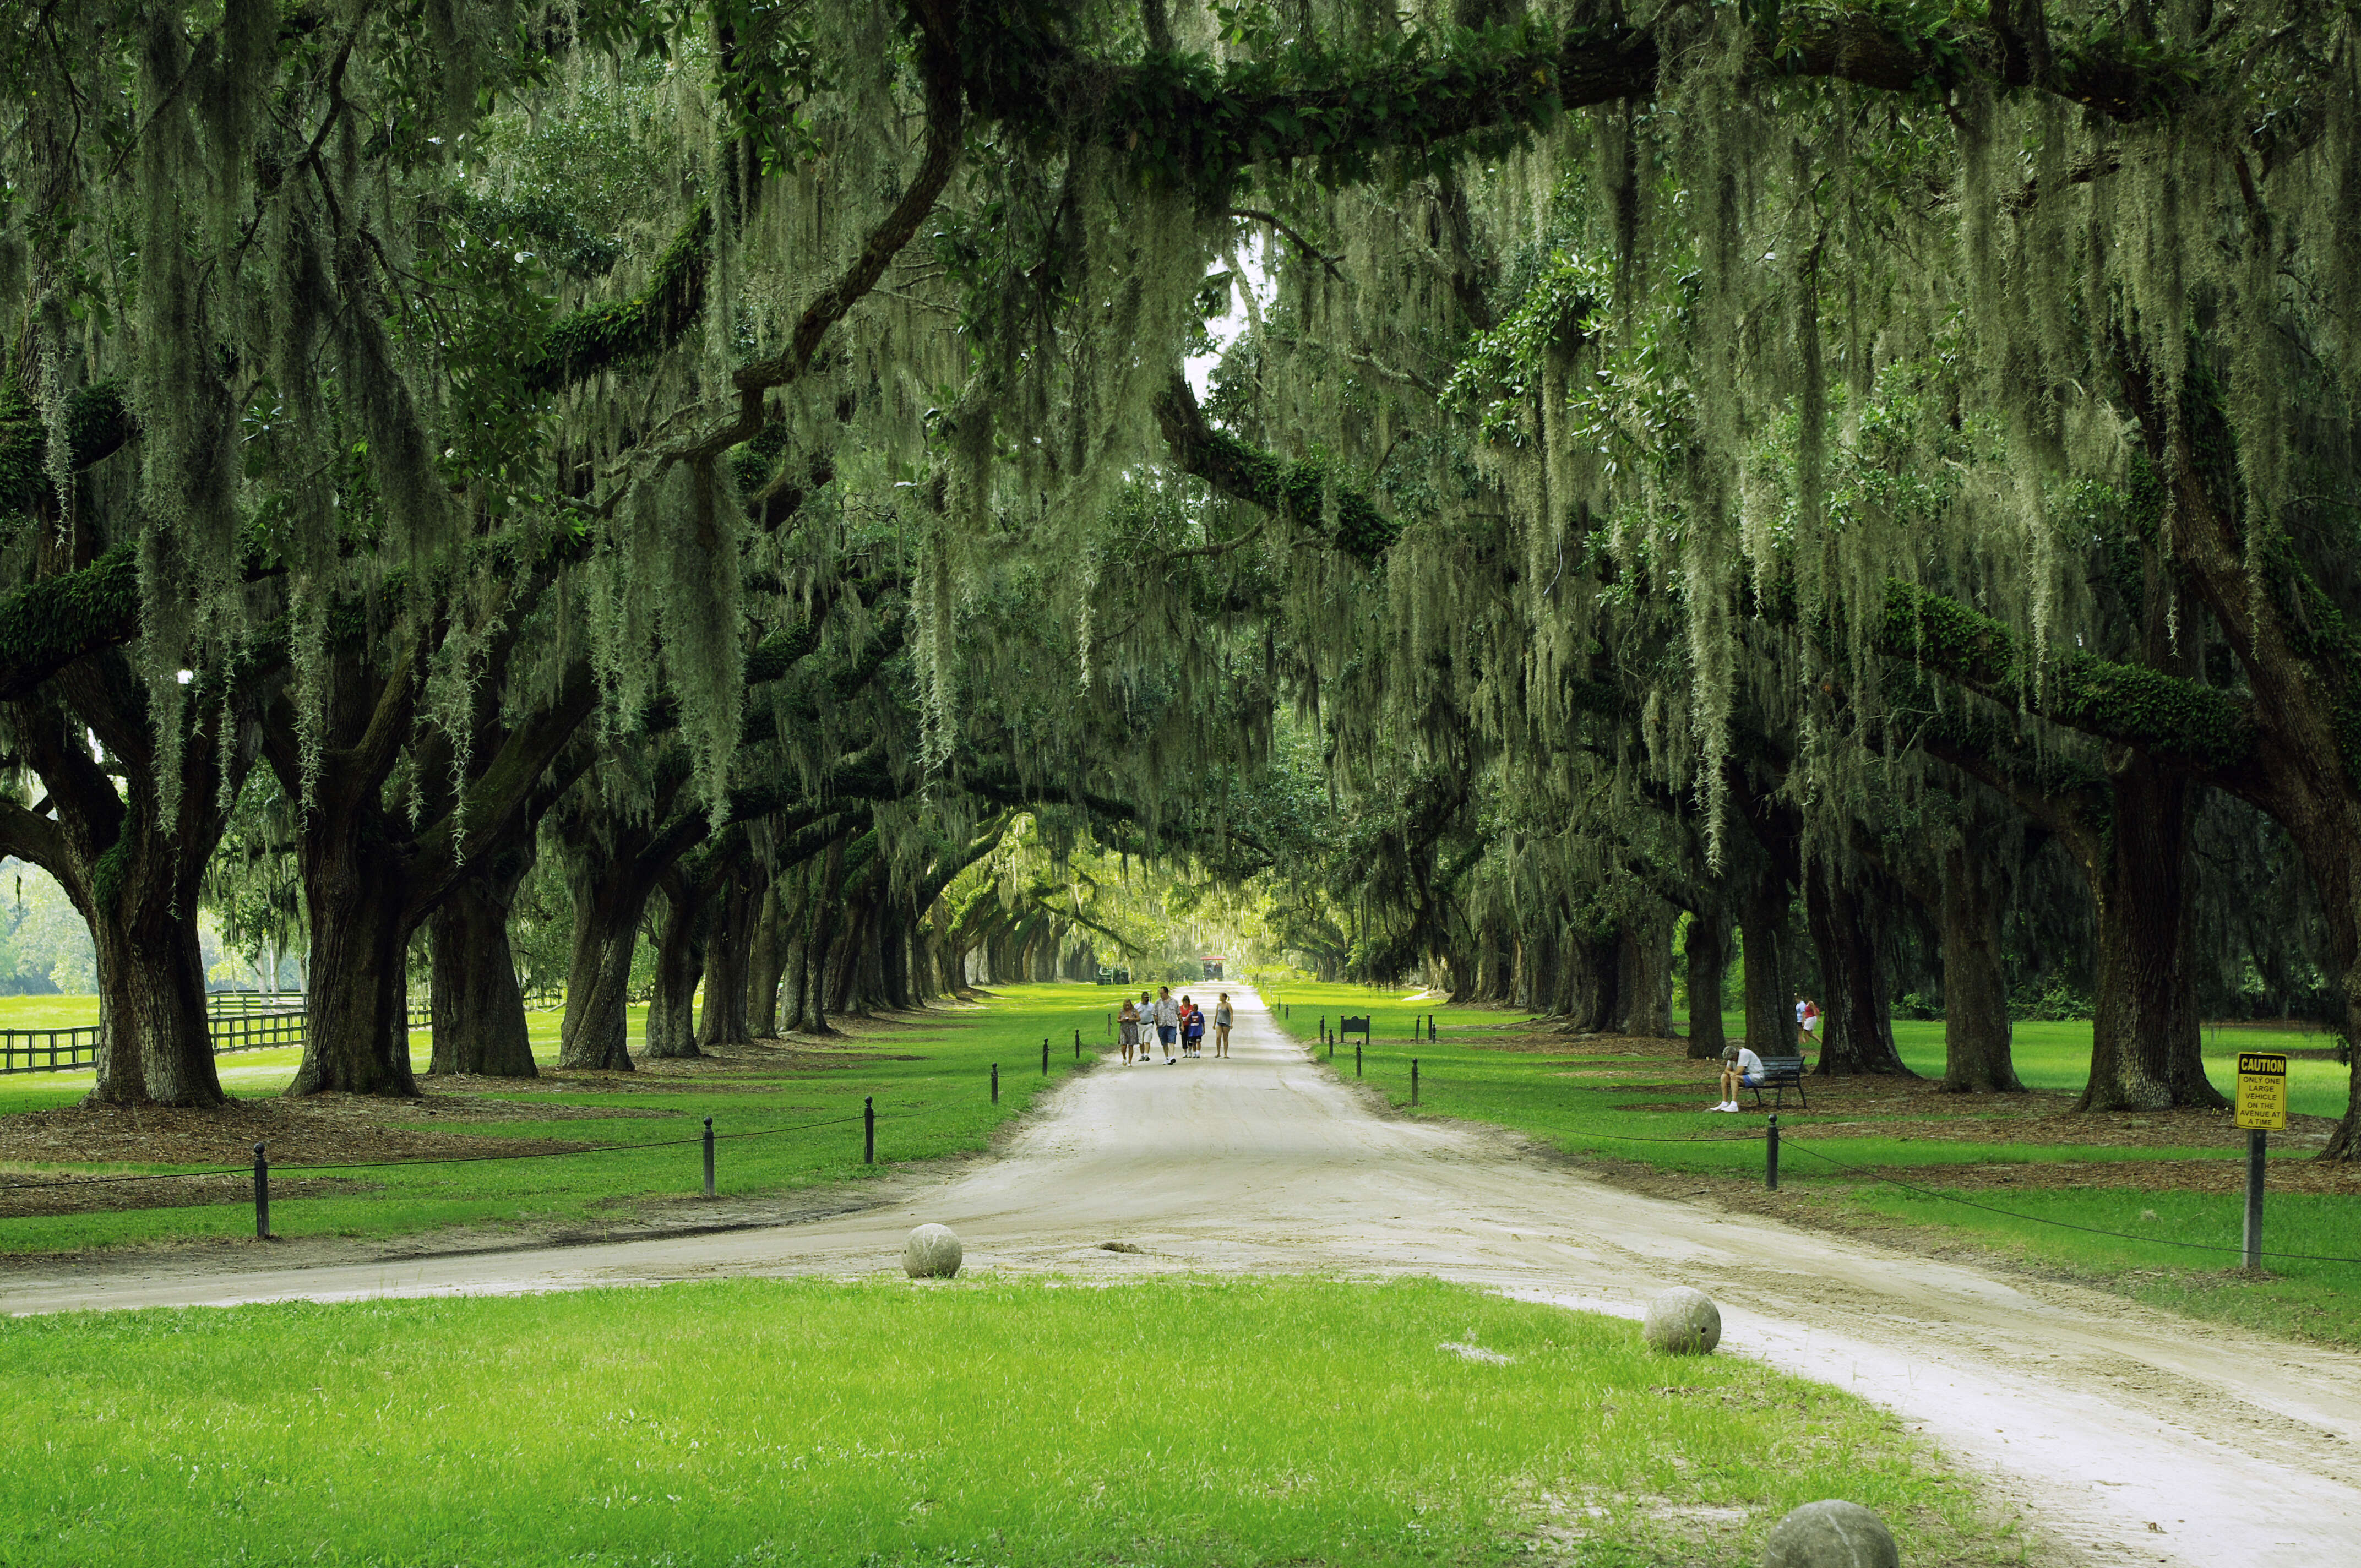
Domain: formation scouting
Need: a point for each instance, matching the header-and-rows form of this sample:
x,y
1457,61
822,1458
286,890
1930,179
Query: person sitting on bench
x,y
1740,1069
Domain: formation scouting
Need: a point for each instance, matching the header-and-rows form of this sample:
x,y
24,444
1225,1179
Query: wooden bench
x,y
1779,1074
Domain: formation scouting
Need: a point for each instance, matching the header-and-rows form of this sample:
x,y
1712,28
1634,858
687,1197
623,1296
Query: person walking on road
x,y
1222,1018
1167,1021
1192,1027
1127,1024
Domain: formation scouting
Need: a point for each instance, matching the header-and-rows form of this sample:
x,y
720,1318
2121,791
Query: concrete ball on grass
x,y
933,1252
1831,1534
1683,1322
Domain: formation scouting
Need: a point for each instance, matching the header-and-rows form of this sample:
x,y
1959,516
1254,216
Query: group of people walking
x,y
1179,1024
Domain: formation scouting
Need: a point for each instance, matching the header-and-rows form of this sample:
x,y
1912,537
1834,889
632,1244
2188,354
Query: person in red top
x,y
1808,1024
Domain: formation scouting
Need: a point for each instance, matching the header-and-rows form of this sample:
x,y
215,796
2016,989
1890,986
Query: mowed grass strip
x,y
937,1102
2177,1249
1174,1421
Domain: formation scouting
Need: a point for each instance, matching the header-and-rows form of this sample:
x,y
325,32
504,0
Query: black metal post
x,y
1770,1154
1078,1044
1413,1081
708,1157
869,1129
996,1083
1356,1060
261,1194
1045,1055
2255,1139
1430,1028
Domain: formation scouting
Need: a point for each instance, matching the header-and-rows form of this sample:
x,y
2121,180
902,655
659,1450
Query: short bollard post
x,y
996,1083
1045,1055
261,1194
1430,1027
1357,1059
1413,1081
2255,1139
708,1157
1078,1044
1770,1154
869,1129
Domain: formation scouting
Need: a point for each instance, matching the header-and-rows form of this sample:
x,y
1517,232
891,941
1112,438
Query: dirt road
x,y
2127,1435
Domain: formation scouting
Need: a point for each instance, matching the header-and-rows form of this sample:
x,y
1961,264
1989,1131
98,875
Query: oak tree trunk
x,y
1646,961
356,1036
729,949
813,939
478,1009
1976,1033
1590,982
1856,1027
680,960
596,1035
156,1047
2146,1050
1770,992
1707,948
765,963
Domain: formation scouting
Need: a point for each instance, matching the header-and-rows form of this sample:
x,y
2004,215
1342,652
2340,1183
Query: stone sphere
x,y
1683,1322
1830,1534
933,1252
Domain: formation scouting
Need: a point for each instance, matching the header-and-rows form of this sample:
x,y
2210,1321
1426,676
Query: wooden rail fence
x,y
234,1018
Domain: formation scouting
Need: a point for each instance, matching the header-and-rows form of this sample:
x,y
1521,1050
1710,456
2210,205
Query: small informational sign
x,y
2262,1091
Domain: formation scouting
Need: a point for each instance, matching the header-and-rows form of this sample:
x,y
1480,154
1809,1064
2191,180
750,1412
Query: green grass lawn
x,y
2056,1054
935,1103
48,1012
1614,1109
987,1421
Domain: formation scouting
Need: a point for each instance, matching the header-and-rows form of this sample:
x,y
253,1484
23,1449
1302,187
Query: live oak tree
x,y
1701,460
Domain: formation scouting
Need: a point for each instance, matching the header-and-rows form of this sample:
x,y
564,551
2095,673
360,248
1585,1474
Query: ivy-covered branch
x,y
98,425
1196,122
588,341
49,623
2199,727
863,776
1299,491
775,656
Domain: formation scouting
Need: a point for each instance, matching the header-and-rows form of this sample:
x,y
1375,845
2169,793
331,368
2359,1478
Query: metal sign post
x,y
2262,1111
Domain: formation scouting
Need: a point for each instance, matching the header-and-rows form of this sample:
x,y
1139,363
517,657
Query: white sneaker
x,y
1730,1105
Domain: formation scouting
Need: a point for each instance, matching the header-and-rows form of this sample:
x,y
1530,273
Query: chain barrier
x,y
441,1160
2041,1220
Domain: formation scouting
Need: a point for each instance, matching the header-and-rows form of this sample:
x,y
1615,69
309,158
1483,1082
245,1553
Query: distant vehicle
x,y
1213,968
1113,976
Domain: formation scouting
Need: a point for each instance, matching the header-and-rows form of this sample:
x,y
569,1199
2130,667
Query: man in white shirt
x,y
1168,1020
1740,1069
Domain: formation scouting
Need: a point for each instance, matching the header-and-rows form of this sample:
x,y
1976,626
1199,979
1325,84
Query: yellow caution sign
x,y
2262,1091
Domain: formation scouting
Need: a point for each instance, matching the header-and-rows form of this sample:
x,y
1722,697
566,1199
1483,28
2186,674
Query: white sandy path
x,y
2128,1436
